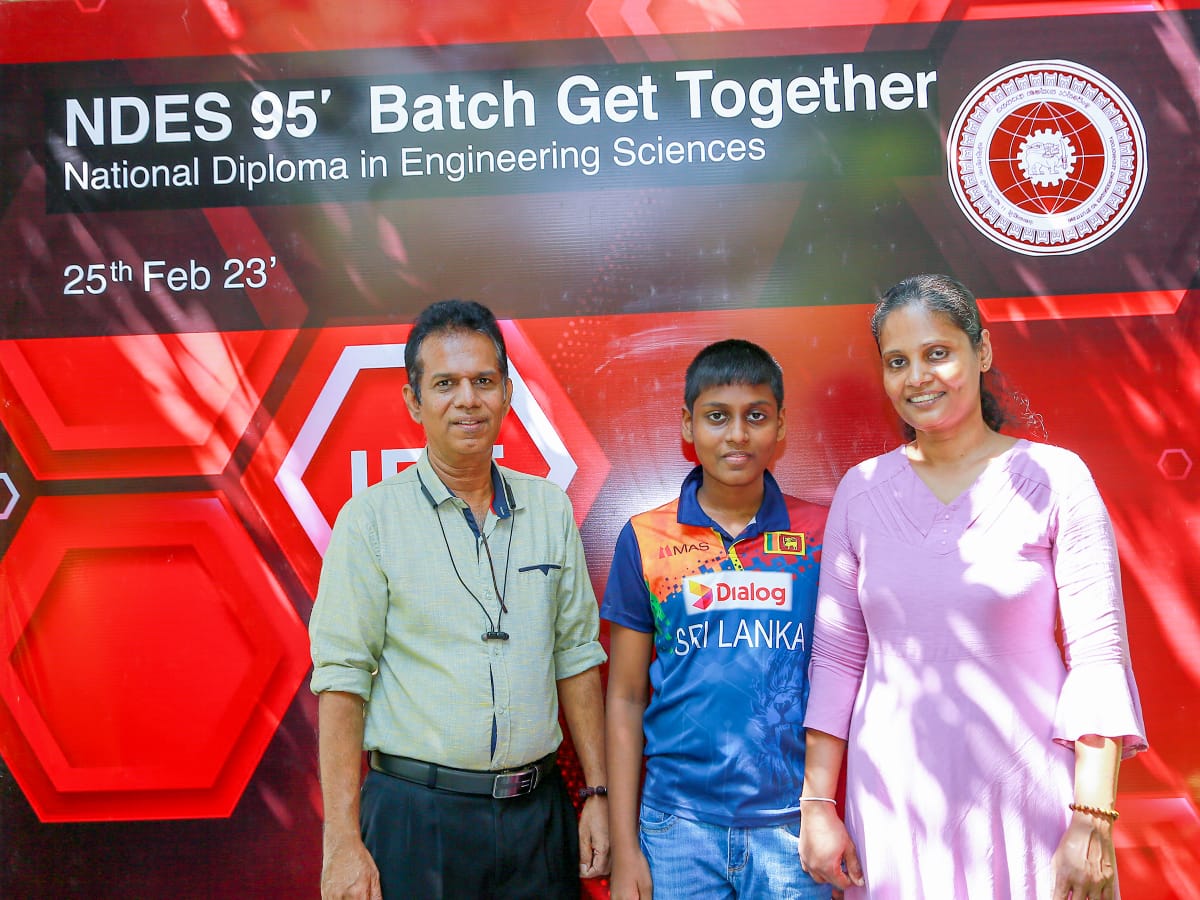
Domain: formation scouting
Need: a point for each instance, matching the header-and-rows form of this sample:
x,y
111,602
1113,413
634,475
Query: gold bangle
x,y
1111,814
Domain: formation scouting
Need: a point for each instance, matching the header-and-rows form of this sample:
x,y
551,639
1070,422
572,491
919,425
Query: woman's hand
x,y
1085,863
631,877
826,851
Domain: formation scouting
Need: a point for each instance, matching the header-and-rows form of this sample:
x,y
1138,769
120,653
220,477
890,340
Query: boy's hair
x,y
448,316
733,361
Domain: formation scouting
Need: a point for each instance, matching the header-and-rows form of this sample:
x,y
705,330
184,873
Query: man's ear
x,y
413,404
685,426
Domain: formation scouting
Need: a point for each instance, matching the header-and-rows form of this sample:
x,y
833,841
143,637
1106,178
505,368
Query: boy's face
x,y
735,429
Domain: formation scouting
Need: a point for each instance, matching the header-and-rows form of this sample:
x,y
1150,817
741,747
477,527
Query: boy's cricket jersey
x,y
732,623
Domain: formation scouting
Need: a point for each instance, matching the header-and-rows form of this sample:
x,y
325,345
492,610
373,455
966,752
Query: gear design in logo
x,y
1046,157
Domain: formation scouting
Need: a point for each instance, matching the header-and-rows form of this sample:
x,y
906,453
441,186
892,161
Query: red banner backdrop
x,y
218,220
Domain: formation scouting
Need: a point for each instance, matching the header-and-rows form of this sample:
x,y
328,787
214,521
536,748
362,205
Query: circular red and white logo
x,y
1047,157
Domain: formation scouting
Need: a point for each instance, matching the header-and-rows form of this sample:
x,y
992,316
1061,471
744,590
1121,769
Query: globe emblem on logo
x,y
1046,157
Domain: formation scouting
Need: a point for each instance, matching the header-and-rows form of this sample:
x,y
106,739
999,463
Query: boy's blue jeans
x,y
691,860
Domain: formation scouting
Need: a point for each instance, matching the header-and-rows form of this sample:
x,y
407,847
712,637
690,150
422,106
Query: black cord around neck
x,y
494,632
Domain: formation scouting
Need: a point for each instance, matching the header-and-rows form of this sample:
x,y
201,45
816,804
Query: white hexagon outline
x,y
354,359
1186,458
16,495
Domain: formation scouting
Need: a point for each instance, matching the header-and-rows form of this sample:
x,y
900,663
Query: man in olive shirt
x,y
454,615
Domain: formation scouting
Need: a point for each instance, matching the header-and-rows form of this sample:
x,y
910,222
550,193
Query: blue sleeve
x,y
626,597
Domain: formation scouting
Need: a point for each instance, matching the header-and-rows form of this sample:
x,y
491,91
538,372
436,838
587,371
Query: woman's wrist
x,y
817,809
624,846
1097,814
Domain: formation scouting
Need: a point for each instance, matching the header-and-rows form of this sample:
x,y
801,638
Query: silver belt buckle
x,y
514,784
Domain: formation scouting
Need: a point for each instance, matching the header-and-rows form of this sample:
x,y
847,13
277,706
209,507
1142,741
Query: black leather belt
x,y
501,785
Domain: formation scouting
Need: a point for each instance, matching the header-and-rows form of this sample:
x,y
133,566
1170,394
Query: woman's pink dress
x,y
935,655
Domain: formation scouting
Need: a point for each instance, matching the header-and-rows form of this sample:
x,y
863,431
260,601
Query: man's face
x,y
464,398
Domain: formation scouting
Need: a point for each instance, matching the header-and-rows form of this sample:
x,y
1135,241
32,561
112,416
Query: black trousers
x,y
436,845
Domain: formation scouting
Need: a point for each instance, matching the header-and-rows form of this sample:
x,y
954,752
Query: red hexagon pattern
x,y
147,654
135,405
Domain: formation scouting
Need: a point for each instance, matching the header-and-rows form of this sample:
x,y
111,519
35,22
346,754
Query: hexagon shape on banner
x,y
344,426
12,495
135,405
1175,464
147,655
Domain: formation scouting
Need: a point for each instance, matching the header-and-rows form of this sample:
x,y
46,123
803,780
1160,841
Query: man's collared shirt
x,y
406,594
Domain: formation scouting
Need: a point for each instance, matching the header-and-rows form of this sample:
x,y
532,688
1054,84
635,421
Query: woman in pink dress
x,y
981,758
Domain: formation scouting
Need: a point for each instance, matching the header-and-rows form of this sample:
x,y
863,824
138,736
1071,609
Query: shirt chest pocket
x,y
538,581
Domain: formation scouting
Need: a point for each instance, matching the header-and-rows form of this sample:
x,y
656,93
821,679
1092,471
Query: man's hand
x,y
583,707
593,838
348,872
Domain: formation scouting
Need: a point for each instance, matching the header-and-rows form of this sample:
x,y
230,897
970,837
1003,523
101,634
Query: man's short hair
x,y
733,361
447,316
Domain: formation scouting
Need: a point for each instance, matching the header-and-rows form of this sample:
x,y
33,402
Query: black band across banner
x,y
246,143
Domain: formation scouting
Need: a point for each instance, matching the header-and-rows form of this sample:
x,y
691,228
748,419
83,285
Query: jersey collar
x,y
772,514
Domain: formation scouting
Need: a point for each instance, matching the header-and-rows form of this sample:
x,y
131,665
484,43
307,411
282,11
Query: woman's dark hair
x,y
944,295
447,316
732,361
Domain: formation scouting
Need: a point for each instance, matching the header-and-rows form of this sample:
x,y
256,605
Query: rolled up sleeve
x,y
347,627
577,626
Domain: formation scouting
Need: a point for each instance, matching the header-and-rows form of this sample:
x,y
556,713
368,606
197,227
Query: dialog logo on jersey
x,y
1046,157
737,590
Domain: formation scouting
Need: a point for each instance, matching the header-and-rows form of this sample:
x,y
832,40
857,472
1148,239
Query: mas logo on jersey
x,y
738,590
667,550
792,543
1046,157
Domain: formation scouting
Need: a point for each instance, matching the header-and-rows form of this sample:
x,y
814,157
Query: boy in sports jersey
x,y
710,601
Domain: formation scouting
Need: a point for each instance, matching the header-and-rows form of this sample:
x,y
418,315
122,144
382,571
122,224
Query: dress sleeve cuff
x,y
830,704
1100,699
